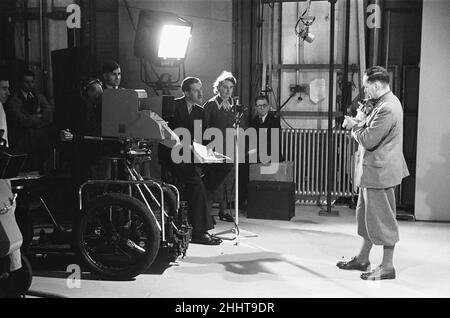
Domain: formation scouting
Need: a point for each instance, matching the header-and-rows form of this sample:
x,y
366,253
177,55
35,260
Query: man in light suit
x,y
380,167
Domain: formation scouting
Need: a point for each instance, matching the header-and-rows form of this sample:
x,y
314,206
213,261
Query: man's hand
x,y
65,135
360,116
349,122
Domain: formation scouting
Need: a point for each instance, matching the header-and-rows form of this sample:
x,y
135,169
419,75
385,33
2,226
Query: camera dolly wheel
x,y
117,237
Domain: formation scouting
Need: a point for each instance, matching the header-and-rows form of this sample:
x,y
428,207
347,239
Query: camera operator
x,y
112,75
84,119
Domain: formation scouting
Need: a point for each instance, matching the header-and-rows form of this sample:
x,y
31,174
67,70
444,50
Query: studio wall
x,y
432,201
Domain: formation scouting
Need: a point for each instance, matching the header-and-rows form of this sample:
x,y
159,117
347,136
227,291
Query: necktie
x,y
190,109
29,96
261,121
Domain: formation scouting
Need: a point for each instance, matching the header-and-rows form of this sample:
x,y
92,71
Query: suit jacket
x,y
29,123
182,118
270,122
195,121
379,162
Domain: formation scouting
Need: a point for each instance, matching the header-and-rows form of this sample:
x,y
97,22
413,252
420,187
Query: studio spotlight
x,y
174,41
162,38
307,36
303,24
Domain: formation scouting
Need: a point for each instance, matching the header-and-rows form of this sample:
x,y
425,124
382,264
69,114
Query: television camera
x,y
128,219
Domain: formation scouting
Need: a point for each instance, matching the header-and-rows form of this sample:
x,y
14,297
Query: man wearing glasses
x,y
265,120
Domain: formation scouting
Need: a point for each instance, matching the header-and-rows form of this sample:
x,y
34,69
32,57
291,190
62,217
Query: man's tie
x,y
261,122
29,96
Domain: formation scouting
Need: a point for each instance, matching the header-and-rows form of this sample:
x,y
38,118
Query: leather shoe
x,y
226,217
353,264
379,273
205,239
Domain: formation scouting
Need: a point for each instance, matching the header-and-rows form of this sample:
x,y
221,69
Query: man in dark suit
x,y
189,115
30,116
266,120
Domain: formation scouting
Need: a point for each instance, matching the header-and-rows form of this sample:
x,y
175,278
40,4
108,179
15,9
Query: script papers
x,y
205,155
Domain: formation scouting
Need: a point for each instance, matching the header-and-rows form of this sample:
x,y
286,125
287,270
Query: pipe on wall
x,y
330,108
375,41
26,34
280,51
345,91
388,36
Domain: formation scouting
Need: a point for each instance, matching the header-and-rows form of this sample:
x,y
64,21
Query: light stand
x,y
235,229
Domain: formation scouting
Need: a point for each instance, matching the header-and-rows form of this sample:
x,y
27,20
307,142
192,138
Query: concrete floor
x,y
288,259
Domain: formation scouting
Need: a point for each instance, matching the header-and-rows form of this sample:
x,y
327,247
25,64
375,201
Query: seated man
x,y
187,115
266,120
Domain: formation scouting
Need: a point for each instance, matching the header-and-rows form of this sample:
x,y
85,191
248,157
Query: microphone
x,y
238,108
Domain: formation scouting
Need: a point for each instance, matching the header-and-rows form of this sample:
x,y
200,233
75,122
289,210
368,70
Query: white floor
x,y
288,259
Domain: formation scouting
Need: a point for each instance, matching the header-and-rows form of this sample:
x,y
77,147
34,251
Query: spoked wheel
x,y
117,237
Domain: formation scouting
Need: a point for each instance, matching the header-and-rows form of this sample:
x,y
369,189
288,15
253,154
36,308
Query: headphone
x,y
85,85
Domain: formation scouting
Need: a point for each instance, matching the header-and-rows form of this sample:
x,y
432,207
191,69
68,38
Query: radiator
x,y
307,148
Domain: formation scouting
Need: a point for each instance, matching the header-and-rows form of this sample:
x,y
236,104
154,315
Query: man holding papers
x,y
190,116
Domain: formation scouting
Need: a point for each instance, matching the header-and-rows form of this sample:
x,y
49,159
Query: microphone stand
x,y
238,232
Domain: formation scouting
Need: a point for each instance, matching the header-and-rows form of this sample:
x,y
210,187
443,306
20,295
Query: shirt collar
x,y
381,98
264,118
221,103
189,105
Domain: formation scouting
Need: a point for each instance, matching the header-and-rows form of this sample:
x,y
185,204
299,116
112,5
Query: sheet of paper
x,y
205,156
